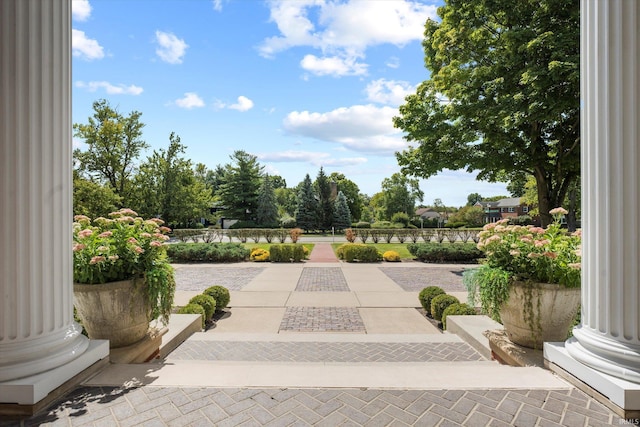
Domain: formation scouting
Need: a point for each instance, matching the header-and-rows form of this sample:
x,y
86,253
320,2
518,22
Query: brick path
x,y
154,405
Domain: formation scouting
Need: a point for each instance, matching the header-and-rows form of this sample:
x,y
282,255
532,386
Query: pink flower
x,y
514,253
534,255
85,233
161,236
78,247
575,265
165,229
155,244
81,218
145,235
127,211
157,221
541,243
537,230
97,259
132,240
103,249
526,239
551,255
558,211
105,234
113,257
138,249
577,233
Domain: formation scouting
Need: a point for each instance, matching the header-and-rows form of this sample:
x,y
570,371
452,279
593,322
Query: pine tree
x,y
239,193
307,210
325,201
341,214
267,210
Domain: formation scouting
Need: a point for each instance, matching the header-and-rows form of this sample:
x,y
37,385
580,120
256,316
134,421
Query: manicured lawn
x,y
401,248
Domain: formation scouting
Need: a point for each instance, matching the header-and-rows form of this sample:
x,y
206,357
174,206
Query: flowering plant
x,y
123,247
117,248
535,254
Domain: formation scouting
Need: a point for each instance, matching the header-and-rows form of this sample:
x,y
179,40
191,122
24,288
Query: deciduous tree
x,y
503,95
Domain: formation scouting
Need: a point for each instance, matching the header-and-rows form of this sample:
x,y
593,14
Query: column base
x,y
622,397
25,396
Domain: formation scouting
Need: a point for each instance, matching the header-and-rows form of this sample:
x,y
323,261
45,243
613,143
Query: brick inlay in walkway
x,y
322,279
322,319
415,279
191,278
168,406
326,351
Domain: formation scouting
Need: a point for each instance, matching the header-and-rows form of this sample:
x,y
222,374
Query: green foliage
x,y
473,198
341,214
194,309
399,194
427,294
307,208
351,252
458,309
468,216
351,193
445,252
114,144
362,224
160,286
509,72
267,210
207,302
167,185
325,201
220,294
489,284
240,190
400,218
439,303
207,252
92,199
286,253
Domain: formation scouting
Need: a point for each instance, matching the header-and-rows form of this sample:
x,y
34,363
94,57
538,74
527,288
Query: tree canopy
x,y
239,192
400,194
503,95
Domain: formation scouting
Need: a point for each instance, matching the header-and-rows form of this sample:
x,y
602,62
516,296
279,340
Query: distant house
x,y
429,216
503,209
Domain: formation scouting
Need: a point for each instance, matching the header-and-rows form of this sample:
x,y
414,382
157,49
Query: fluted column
x,y
608,340
37,331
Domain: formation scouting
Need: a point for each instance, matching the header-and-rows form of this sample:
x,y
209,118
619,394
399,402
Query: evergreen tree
x,y
267,212
307,210
341,214
325,201
239,193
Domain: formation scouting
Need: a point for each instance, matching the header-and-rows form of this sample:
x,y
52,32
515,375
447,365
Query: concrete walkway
x,y
324,343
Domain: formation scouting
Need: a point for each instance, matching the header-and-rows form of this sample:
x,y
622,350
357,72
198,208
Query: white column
x,y
37,331
608,340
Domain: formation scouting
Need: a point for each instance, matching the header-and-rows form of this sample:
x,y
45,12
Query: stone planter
x,y
116,311
539,312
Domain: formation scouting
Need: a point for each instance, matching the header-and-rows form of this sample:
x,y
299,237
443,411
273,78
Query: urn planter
x,y
539,312
117,311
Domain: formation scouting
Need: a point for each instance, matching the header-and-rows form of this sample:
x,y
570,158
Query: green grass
x,y
401,248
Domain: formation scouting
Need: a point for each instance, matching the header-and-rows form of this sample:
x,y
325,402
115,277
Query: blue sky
x,y
298,83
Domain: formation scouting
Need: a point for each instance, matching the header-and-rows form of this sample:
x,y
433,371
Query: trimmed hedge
x,y
220,294
438,252
194,309
440,303
427,294
259,255
456,309
286,253
206,302
207,252
352,252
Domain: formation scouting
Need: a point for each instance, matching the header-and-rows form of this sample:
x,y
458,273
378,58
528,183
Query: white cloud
x,y
85,47
345,29
311,157
110,88
171,49
243,104
389,92
365,128
333,65
217,5
190,100
80,10
393,62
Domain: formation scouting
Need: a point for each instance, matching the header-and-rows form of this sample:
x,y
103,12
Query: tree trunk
x,y
544,202
571,216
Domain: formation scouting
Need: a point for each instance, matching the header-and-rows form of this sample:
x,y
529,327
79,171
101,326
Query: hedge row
x,y
241,234
435,252
207,252
352,252
414,234
286,253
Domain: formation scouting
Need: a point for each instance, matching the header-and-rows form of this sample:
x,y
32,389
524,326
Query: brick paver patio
x,y
322,319
417,278
322,279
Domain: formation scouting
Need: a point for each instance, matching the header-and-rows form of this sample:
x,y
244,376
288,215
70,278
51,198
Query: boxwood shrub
x,y
286,253
391,256
427,294
194,309
440,303
352,252
220,294
207,302
207,252
445,252
456,309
